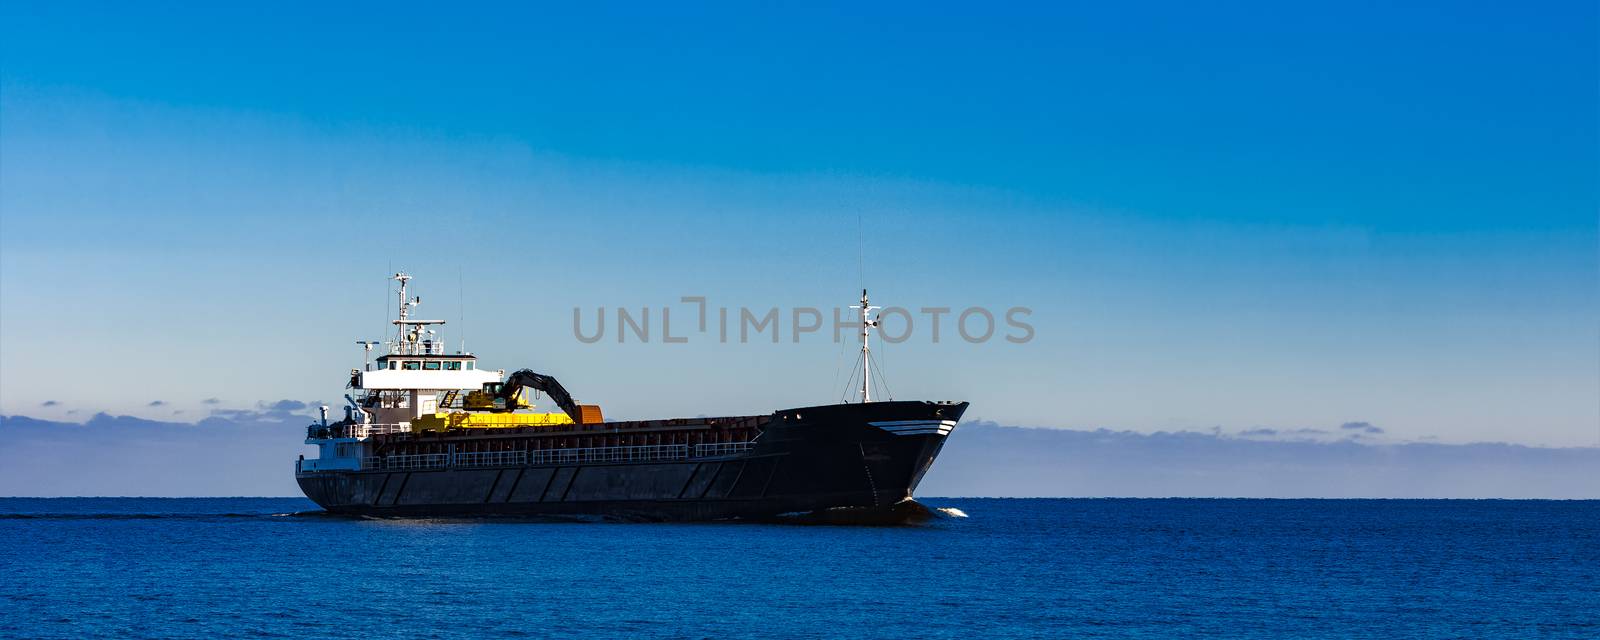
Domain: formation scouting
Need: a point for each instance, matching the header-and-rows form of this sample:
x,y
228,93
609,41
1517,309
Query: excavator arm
x,y
580,414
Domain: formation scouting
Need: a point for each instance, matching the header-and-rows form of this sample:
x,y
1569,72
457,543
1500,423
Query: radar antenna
x,y
367,346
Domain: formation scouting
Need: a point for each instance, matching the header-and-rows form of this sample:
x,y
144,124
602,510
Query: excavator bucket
x,y
589,414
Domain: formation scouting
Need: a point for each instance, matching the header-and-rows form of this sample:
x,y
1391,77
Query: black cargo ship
x,y
433,436
868,456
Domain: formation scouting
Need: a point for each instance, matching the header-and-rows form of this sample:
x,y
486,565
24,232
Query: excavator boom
x,y
580,414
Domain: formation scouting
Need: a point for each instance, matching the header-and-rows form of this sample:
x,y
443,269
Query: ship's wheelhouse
x,y
457,362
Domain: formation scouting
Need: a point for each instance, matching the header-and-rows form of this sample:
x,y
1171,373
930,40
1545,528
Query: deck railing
x,y
357,431
721,449
491,459
643,453
406,463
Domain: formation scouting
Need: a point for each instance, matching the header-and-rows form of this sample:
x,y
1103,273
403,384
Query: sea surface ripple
x,y
260,567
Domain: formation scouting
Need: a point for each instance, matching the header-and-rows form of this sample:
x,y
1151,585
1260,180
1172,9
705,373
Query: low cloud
x,y
157,403
247,453
1362,427
266,411
1299,434
127,456
211,401
49,403
987,459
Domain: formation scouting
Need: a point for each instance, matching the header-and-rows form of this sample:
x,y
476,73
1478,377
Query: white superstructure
x,y
406,383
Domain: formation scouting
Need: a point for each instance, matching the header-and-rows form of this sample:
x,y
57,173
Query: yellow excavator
x,y
496,404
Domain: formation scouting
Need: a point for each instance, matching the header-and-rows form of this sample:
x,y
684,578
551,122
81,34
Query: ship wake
x,y
907,512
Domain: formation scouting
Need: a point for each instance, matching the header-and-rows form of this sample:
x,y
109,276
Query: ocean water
x,y
206,568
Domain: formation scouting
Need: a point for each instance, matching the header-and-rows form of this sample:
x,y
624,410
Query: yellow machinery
x,y
485,420
481,413
484,401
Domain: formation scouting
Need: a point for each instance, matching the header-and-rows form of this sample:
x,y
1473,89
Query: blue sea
x,y
230,567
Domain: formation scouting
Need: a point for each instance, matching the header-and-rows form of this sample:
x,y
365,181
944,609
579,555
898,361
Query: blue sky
x,y
1242,215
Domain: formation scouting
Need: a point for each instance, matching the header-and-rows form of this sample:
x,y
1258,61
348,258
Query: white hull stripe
x,y
916,427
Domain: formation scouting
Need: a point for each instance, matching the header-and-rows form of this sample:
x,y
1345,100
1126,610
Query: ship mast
x,y
414,337
403,278
867,323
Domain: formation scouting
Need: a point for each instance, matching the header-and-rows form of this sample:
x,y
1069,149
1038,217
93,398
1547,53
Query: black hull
x,y
806,460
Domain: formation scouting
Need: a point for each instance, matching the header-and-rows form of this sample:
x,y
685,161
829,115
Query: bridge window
x,y
469,365
452,366
411,365
431,366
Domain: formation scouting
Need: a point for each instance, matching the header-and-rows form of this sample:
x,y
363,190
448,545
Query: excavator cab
x,y
485,400
479,400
